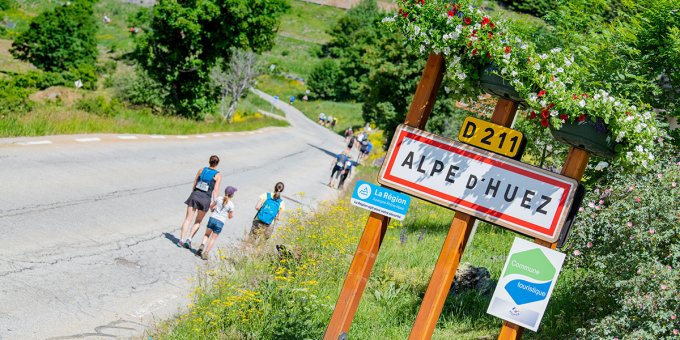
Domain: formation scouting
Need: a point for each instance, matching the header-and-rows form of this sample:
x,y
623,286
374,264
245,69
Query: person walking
x,y
350,144
337,167
348,133
333,122
269,208
203,193
222,209
345,173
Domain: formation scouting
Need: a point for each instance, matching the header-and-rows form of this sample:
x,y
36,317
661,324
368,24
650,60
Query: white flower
x,y
601,165
556,50
647,115
459,29
416,29
447,50
582,103
639,148
537,66
596,96
629,155
543,103
567,62
619,138
461,75
543,56
447,89
478,26
504,71
559,70
651,157
532,97
514,73
422,49
388,19
554,113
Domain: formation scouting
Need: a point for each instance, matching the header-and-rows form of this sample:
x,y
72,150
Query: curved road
x,y
88,223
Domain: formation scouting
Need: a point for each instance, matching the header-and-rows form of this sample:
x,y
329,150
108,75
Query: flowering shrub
x,y
626,249
549,82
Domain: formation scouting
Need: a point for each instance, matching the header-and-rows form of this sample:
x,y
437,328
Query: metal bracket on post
x,y
452,250
376,226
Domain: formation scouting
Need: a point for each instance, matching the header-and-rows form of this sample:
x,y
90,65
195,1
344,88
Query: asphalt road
x,y
88,223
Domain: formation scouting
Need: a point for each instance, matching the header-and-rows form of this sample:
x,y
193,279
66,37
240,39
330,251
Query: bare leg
x,y
187,220
211,243
206,236
199,217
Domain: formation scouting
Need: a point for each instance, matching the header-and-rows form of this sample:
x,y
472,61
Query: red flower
x,y
451,13
474,52
532,115
628,113
575,96
582,117
492,25
474,33
467,20
564,117
551,105
490,35
488,55
485,21
470,44
585,95
541,93
545,113
545,123
508,49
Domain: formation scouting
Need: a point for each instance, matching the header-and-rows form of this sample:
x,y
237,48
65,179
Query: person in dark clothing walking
x,y
204,191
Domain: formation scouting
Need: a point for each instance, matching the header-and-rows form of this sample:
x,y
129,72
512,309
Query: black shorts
x,y
336,171
199,200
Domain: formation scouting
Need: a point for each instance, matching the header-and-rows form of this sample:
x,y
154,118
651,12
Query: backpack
x,y
269,209
207,175
342,158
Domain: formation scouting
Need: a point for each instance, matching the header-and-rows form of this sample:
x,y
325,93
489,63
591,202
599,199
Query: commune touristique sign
x,y
496,189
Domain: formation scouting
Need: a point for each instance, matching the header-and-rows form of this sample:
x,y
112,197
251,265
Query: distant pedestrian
x,y
337,167
333,122
222,209
322,118
203,192
350,144
348,133
347,171
328,120
292,100
269,208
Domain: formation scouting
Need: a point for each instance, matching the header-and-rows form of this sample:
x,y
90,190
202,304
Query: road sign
x,y
381,200
493,137
526,283
496,189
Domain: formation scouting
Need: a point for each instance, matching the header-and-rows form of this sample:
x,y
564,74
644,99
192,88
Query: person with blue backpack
x,y
204,191
269,207
337,168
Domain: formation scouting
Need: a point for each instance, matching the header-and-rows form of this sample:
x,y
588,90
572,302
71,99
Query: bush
x,y
100,106
138,88
626,249
323,79
538,8
38,80
13,99
6,4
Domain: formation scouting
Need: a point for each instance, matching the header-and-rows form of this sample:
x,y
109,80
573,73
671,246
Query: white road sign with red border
x,y
493,188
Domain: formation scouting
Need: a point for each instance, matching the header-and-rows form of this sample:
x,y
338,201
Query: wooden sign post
x,y
574,167
376,226
452,251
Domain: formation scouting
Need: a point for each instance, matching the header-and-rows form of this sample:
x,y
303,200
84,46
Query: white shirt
x,y
222,210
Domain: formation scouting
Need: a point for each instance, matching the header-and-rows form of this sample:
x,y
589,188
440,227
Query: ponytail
x,y
278,189
225,200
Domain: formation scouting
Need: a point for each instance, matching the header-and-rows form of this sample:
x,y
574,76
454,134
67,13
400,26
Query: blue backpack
x,y
269,209
207,175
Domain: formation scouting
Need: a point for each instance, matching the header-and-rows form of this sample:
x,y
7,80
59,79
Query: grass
x,y
252,103
51,119
309,22
293,56
281,86
254,292
347,114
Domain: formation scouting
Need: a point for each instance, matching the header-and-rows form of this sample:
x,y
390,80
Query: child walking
x,y
222,208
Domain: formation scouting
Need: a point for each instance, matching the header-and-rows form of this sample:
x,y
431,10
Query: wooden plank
x,y
426,93
452,251
574,167
376,226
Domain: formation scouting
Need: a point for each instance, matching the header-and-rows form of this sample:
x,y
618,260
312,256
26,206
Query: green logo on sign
x,y
532,263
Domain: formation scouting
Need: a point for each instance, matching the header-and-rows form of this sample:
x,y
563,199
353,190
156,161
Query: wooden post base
x,y
356,279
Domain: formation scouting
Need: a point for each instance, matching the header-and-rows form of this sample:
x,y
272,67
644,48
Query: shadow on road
x,y
332,154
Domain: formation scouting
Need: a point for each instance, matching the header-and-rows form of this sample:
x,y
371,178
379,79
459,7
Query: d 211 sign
x,y
493,188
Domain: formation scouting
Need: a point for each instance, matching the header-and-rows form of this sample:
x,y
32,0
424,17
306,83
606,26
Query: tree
x,y
241,72
187,39
60,39
324,78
